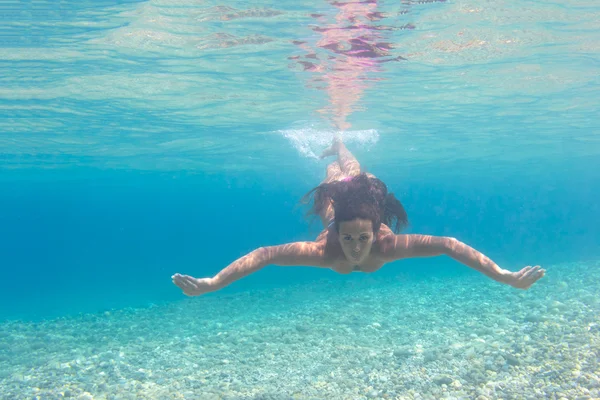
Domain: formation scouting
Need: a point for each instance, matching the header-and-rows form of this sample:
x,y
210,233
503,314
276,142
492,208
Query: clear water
x,y
140,139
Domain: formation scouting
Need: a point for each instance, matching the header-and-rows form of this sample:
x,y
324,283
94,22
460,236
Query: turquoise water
x,y
142,139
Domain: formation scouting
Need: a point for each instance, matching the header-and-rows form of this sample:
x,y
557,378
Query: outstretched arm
x,y
298,253
407,246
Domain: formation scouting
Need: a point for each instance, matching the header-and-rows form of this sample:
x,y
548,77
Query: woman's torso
x,y
335,259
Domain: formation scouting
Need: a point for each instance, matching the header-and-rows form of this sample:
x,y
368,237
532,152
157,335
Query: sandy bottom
x,y
429,338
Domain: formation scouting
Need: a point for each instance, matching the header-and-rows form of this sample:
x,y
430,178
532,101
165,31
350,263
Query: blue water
x,y
139,139
86,240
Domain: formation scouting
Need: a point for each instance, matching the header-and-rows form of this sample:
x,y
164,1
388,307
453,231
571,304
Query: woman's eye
x,y
347,238
363,238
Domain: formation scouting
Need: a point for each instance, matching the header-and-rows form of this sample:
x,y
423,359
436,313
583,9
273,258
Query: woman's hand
x,y
193,286
526,277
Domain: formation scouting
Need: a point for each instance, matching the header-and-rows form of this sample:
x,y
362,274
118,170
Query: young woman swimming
x,y
360,219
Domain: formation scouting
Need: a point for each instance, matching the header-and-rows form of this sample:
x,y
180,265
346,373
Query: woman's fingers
x,y
190,284
531,275
531,272
186,283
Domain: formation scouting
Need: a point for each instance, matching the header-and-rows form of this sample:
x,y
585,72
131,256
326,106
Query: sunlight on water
x,y
187,131
310,142
210,71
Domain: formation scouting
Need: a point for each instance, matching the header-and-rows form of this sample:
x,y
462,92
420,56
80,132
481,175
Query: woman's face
x,y
356,238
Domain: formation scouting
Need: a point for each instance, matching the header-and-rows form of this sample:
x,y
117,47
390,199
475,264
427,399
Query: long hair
x,y
359,197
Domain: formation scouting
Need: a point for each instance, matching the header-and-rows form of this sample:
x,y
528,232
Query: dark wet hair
x,y
359,197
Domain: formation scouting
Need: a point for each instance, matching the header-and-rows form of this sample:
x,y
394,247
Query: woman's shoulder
x,y
385,233
385,237
327,241
326,235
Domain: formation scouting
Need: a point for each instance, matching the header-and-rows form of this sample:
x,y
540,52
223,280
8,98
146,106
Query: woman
x,y
358,214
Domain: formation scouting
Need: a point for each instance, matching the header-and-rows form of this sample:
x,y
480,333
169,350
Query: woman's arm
x,y
396,247
291,254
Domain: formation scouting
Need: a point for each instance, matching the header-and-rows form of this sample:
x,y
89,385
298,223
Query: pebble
x,y
269,355
403,352
511,360
443,380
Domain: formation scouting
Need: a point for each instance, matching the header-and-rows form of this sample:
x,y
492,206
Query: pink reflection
x,y
348,54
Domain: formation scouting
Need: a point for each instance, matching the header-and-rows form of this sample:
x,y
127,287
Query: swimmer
x,y
361,220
